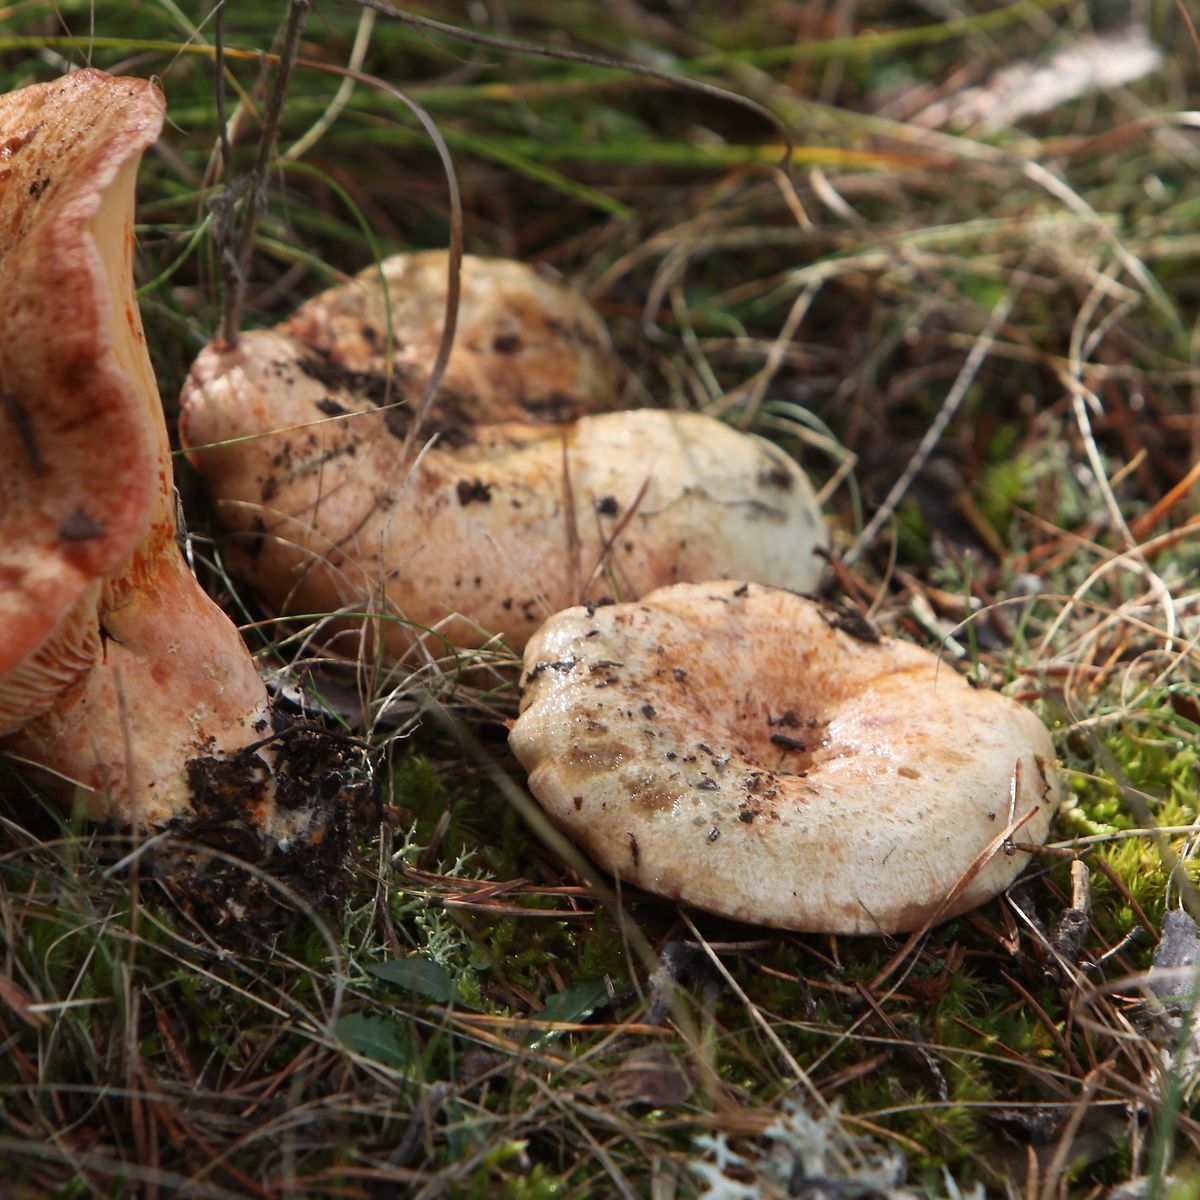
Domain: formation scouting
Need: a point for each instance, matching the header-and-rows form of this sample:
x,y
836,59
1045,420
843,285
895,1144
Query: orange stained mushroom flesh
x,y
520,493
119,677
763,756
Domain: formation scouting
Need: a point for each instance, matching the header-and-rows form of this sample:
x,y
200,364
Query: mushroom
x,y
760,755
118,675
525,348
511,502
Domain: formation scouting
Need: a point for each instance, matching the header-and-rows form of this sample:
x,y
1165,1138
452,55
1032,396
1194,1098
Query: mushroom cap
x,y
730,746
496,525
117,671
525,348
116,668
77,461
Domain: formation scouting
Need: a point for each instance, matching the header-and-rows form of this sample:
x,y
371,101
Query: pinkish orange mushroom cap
x,y
730,746
521,494
118,674
78,483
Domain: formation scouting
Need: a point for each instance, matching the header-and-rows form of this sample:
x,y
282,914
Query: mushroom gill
x,y
119,677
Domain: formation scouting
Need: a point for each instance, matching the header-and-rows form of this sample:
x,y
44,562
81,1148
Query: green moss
x,y
505,1172
1183,1188
602,951
1004,484
914,534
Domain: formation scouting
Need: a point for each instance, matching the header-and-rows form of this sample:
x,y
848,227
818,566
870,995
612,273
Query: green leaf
x,y
374,1037
420,975
573,1004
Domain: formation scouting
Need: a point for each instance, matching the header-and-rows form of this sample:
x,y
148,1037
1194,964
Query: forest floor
x,y
949,258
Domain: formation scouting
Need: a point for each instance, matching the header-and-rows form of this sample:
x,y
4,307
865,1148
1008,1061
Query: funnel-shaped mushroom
x,y
521,506
734,747
117,673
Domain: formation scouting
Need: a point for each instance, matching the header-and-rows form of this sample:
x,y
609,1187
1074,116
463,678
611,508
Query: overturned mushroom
x,y
118,675
510,503
749,751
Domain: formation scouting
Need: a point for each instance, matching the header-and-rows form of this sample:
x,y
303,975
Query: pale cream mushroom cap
x,y
525,347
118,674
494,526
727,745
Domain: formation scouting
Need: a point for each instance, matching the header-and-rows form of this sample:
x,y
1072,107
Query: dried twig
x,y
950,406
236,262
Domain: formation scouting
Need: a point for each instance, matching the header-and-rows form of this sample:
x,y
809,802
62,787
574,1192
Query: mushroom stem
x,y
174,683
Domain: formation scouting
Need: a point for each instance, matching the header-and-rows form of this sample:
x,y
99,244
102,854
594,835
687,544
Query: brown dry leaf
x,y
651,1076
18,999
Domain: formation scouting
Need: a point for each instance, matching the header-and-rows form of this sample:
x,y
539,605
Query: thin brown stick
x,y
1191,25
974,867
255,201
1142,525
1058,1161
1044,1020
574,548
610,541
218,13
